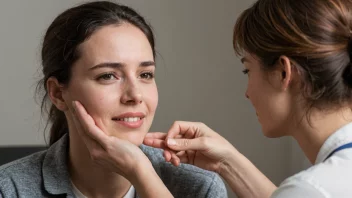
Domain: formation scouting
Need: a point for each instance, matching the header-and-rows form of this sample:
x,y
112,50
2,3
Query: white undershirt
x,y
130,194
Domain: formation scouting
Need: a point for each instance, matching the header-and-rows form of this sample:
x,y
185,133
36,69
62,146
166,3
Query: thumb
x,y
187,144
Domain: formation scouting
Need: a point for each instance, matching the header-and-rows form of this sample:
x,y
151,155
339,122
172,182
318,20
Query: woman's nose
x,y
131,94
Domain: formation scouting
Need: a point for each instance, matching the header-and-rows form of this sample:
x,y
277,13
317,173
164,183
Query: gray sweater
x,y
45,174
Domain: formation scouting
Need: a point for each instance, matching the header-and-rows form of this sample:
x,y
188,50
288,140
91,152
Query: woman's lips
x,y
132,122
130,119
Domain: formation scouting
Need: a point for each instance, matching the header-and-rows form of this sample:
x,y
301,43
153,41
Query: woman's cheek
x,y
152,97
97,102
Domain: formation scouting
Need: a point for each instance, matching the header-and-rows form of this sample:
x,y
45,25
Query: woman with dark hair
x,y
98,67
298,58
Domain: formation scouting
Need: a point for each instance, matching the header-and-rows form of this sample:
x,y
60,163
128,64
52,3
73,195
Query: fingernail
x,y
171,142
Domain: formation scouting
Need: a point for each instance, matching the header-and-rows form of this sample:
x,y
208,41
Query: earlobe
x,y
55,93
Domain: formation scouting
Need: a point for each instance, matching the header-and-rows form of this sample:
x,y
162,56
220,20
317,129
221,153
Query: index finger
x,y
88,124
159,135
156,135
188,129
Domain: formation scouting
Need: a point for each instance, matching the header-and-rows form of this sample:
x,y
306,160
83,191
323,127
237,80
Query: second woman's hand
x,y
194,143
117,155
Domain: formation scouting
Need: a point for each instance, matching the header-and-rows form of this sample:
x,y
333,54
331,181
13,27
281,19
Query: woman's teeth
x,y
134,119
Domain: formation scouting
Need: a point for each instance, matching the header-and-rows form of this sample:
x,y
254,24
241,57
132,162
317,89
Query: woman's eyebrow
x,y
117,65
113,65
147,63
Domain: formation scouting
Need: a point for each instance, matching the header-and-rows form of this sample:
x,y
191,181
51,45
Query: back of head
x,y
315,34
61,46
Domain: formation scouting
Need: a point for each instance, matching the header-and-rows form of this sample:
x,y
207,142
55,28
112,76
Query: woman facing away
x,y
298,58
101,55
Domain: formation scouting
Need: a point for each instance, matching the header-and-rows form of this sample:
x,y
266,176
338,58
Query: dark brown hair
x,y
61,42
314,34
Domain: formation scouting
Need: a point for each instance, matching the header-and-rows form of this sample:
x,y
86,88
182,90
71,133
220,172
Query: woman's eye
x,y
147,75
107,77
245,71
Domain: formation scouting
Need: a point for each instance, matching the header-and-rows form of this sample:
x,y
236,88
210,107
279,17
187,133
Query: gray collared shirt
x,y
45,174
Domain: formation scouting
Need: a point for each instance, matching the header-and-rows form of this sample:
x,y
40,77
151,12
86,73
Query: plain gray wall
x,y
199,77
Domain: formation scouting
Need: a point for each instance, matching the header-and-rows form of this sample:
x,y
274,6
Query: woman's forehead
x,y
124,44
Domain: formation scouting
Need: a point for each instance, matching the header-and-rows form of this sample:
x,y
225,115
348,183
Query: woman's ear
x,y
284,67
55,92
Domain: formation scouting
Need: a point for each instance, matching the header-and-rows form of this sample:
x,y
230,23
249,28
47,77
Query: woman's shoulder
x,y
185,180
302,184
326,179
20,167
22,172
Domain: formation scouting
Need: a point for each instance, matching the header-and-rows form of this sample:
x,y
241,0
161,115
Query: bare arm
x,y
244,178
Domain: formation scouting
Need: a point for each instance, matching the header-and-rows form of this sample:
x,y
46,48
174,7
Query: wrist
x,y
141,172
147,182
225,168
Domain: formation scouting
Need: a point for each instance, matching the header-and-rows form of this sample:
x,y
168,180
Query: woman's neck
x,y
90,179
312,134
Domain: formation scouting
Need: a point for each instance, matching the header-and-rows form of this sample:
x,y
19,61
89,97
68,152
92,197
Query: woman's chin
x,y
135,138
271,133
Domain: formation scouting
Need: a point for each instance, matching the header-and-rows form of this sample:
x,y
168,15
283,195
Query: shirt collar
x,y
340,137
55,172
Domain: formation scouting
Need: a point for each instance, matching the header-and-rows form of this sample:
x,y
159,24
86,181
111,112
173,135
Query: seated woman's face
x,y
114,80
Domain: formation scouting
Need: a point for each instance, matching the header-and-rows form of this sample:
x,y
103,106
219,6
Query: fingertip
x,y
147,141
171,142
175,162
79,107
149,134
167,155
75,105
